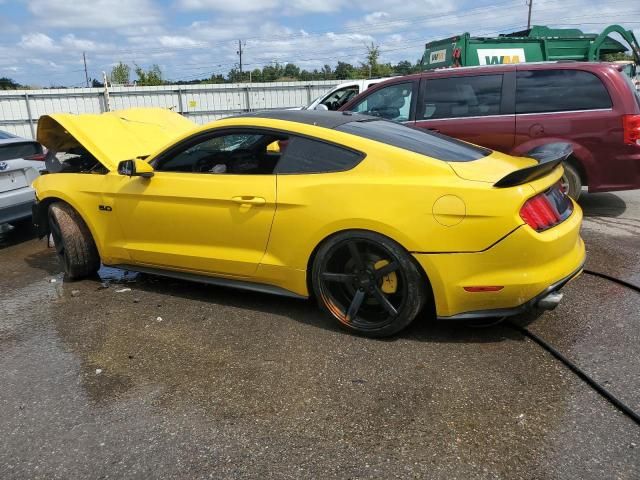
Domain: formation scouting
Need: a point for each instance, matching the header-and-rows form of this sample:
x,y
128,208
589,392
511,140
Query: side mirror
x,y
321,106
135,168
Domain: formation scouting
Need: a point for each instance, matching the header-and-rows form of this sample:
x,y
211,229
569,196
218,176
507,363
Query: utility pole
x,y
530,5
86,75
239,52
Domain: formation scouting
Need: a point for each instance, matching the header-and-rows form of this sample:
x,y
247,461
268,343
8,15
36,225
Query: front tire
x,y
73,242
368,283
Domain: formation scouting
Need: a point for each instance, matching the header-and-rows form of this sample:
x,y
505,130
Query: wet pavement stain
x,y
174,379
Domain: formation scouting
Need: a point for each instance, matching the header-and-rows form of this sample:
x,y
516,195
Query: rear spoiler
x,y
549,157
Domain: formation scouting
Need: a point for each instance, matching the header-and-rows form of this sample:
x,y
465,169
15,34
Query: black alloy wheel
x,y
368,283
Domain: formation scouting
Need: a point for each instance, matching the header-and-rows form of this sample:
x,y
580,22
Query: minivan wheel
x,y
73,242
571,182
368,283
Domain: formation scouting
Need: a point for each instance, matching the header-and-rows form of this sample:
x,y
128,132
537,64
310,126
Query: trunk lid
x,y
114,136
491,168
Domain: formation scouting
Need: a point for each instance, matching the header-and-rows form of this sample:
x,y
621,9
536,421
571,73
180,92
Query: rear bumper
x,y
16,204
528,265
15,212
509,312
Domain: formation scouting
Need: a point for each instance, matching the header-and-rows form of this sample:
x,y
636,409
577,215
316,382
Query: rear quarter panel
x,y
393,194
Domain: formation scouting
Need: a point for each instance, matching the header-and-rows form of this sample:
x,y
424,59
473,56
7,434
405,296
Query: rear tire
x,y
368,283
73,242
571,181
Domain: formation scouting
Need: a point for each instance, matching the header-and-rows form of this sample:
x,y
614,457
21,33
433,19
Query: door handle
x,y
433,130
249,200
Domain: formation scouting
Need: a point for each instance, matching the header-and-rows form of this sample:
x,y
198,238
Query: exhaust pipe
x,y
550,301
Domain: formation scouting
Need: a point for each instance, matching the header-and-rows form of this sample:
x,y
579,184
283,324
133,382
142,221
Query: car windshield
x,y
416,140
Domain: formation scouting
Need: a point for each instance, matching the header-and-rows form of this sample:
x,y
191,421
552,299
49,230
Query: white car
x,y
20,163
341,94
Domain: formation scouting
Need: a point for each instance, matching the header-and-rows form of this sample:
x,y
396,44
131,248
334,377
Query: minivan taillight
x,y
547,209
631,127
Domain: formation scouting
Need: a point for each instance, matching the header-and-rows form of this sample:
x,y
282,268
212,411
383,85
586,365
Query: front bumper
x,y
528,265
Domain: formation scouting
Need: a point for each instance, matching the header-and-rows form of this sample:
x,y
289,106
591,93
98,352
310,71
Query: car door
x,y
208,207
475,108
572,105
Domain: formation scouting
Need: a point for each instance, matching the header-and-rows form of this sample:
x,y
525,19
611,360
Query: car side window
x,y
249,153
539,91
305,155
340,97
391,103
456,97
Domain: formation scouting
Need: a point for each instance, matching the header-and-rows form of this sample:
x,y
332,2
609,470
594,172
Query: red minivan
x,y
515,108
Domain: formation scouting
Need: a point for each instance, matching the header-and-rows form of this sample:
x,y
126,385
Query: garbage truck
x,y
537,44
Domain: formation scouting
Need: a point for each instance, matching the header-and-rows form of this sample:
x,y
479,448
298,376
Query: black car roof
x,y
320,118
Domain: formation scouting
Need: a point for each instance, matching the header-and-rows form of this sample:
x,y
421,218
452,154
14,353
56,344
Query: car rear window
x,y
540,91
5,135
415,140
19,150
304,155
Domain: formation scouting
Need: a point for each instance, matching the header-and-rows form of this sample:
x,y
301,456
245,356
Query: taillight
x,y
38,157
546,209
631,127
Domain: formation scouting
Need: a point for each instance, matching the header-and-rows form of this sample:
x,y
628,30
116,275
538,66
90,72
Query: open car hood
x,y
114,136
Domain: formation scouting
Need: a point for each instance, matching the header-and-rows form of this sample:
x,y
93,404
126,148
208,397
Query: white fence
x,y
20,109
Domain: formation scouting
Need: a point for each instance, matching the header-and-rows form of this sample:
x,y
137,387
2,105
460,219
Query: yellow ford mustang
x,y
375,219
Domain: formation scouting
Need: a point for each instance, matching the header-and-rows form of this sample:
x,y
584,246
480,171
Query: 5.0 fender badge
x,y
104,208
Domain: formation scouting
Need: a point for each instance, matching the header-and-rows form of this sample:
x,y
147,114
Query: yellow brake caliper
x,y
390,281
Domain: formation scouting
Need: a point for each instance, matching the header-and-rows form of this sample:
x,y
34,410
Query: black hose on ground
x,y
615,401
624,283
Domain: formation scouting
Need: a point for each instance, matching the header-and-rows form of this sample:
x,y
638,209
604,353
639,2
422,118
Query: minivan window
x,y
633,88
456,97
540,91
416,140
392,102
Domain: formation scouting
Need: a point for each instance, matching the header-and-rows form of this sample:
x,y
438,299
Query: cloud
x,y
176,41
229,6
96,14
37,41
286,7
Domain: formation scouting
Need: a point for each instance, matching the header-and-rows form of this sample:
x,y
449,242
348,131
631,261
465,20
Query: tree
x,y
120,74
291,71
96,84
373,54
327,72
151,77
8,84
614,57
403,68
344,71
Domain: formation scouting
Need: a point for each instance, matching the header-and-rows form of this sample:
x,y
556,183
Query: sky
x,y
42,41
